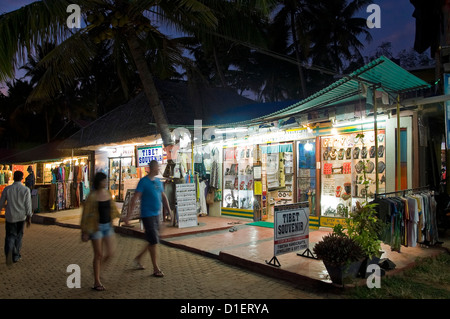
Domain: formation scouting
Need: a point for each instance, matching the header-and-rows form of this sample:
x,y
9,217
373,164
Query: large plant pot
x,y
343,273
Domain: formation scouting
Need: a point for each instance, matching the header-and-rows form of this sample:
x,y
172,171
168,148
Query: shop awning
x,y
42,153
382,73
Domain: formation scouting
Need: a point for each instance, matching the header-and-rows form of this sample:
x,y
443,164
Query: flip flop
x,y
137,265
99,288
158,273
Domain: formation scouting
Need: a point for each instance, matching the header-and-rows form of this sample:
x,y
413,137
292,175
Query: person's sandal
x,y
137,265
158,273
99,288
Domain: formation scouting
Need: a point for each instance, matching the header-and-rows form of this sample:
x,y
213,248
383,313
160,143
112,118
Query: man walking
x,y
151,193
18,210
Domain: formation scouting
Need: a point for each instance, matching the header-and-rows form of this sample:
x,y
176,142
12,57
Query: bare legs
x,y
153,250
103,251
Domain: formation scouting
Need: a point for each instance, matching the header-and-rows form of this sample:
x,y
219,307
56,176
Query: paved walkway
x,y
248,247
49,249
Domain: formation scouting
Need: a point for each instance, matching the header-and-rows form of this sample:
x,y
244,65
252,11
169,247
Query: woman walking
x,y
96,225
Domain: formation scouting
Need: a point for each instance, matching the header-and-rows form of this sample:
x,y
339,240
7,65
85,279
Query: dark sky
x,y
397,23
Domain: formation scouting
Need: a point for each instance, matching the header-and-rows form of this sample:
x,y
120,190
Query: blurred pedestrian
x,y
31,179
18,211
96,225
151,193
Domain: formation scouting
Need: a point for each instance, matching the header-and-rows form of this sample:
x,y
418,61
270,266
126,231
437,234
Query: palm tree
x,y
294,16
127,23
336,33
133,26
35,72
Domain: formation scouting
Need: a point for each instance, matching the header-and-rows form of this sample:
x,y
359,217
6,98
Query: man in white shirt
x,y
18,210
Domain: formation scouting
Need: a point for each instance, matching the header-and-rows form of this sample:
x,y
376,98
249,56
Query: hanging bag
x,y
210,196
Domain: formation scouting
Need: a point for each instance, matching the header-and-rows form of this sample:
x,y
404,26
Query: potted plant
x,y
365,228
341,255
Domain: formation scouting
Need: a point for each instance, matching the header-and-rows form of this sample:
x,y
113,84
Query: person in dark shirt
x,y
30,180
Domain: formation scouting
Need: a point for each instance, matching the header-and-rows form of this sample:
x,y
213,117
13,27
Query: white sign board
x,y
145,154
186,205
291,228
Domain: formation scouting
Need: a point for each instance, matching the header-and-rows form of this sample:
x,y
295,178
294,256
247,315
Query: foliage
x,y
338,250
365,228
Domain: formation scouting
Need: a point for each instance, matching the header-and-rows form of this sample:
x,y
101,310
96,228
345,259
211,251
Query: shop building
x,y
124,140
371,132
363,135
61,179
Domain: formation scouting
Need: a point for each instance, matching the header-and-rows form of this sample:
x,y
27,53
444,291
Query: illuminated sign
x,y
146,154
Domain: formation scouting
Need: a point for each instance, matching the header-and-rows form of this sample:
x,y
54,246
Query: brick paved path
x,y
48,250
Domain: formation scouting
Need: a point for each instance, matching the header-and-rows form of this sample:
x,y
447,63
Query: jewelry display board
x,y
348,161
238,177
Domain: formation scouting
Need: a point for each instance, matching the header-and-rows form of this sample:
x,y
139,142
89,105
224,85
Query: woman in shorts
x,y
96,225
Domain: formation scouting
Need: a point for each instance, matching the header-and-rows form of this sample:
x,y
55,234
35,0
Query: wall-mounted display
x,y
238,177
348,170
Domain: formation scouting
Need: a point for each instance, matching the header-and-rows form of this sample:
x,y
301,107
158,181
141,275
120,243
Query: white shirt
x,y
18,199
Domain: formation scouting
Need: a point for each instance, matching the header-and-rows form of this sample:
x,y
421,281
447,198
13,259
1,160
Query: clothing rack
x,y
404,191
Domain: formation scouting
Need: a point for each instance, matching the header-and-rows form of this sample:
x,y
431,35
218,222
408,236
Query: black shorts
x,y
151,227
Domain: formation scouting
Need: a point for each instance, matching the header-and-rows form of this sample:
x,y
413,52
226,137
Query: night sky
x,y
397,24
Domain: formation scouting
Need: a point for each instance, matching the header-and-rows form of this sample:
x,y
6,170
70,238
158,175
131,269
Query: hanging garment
x,y
412,220
75,174
202,197
214,175
52,197
86,175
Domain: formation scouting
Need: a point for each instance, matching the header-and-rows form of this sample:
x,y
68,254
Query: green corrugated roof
x,y
382,72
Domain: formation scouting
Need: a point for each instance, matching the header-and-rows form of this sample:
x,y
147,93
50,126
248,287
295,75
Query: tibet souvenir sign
x,y
291,228
146,154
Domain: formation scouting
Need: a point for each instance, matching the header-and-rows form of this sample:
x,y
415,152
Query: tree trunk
x,y
149,88
297,55
47,124
219,70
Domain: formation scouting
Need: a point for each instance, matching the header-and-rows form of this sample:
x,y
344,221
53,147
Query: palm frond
x,y
22,29
63,65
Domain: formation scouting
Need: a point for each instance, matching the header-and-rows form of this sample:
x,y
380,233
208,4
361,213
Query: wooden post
x,y
375,128
399,149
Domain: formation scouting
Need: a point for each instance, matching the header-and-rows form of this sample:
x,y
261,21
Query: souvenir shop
x,y
268,169
124,165
62,184
329,164
55,185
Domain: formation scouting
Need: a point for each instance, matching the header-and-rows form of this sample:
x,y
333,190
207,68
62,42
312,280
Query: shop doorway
x,y
404,152
121,170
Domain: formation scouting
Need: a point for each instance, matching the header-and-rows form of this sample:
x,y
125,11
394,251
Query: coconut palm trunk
x,y
149,88
304,92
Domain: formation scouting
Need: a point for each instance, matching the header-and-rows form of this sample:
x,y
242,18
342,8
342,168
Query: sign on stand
x,y
186,205
136,214
291,230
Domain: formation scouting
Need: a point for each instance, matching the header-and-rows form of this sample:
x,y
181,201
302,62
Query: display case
x,y
238,177
348,171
